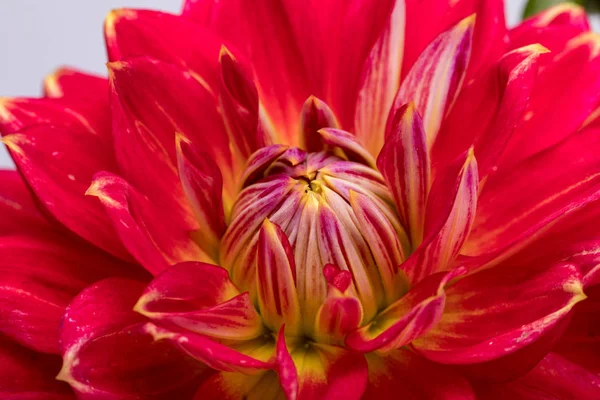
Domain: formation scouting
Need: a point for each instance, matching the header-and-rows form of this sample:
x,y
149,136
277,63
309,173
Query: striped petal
x,y
200,298
276,279
405,165
436,77
203,185
492,313
450,213
380,81
347,144
315,115
107,354
406,319
155,242
341,311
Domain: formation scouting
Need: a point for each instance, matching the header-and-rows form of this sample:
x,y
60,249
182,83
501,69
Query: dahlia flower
x,y
308,200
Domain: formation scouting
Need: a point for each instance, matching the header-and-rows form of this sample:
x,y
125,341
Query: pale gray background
x,y
36,36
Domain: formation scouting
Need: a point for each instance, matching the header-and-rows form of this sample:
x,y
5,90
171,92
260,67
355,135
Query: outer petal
x,y
579,97
405,165
491,313
276,279
380,82
107,355
28,375
450,213
39,275
17,210
67,84
552,28
235,386
52,152
203,186
200,298
436,78
151,237
403,371
514,207
406,319
553,378
167,37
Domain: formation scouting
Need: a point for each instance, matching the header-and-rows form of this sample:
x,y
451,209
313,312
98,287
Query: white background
x,y
36,36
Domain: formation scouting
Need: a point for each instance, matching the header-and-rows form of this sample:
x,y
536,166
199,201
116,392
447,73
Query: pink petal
x,y
286,370
406,319
493,313
18,212
346,142
403,371
67,84
153,239
437,76
450,213
552,28
107,354
200,298
28,375
405,165
380,81
553,378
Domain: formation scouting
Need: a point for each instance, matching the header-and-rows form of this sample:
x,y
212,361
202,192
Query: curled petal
x,y
493,313
212,353
276,279
107,354
203,186
259,162
450,213
347,144
436,77
239,101
406,319
200,298
380,81
315,115
341,312
154,242
405,165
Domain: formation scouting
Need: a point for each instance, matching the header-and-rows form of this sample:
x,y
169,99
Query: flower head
x,y
391,201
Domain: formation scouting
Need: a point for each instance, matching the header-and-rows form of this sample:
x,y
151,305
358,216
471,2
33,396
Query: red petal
x,y
406,319
153,239
515,206
380,81
28,375
315,115
17,210
70,84
493,313
286,369
106,354
40,273
276,279
579,96
146,119
553,378
238,99
489,37
171,38
200,298
450,213
235,386
437,76
417,378
203,185
52,151
405,165
552,28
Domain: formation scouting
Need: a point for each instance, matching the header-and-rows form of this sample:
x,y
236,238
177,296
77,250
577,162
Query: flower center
x,y
331,211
